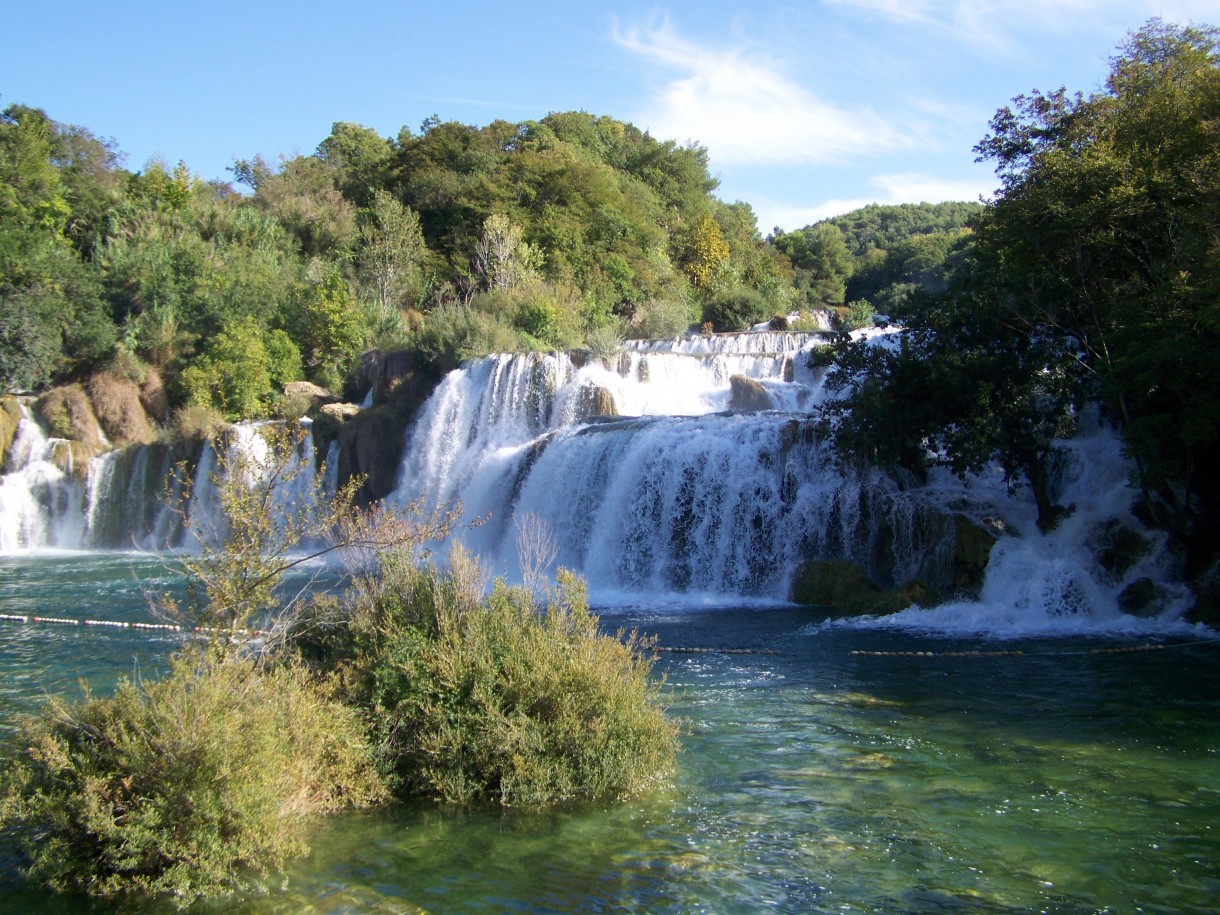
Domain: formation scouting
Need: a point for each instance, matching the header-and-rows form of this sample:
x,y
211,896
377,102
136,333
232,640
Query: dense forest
x,y
451,242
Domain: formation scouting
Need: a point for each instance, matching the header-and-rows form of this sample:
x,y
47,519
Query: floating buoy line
x,y
667,649
118,624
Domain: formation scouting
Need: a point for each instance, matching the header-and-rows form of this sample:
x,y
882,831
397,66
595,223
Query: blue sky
x,y
807,110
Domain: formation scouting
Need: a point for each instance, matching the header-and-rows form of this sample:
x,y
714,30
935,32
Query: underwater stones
x,y
748,395
1118,547
832,583
1143,597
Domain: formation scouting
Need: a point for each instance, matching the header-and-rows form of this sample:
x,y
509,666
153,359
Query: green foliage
x,y
1106,230
735,309
452,334
965,387
881,227
856,315
661,318
604,342
185,787
330,328
498,698
242,370
270,515
822,262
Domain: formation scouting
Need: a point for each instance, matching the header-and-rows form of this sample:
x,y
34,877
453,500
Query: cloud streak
x,y
746,110
992,26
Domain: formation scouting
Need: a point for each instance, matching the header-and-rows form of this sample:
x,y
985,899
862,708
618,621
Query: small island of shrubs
x,y
413,681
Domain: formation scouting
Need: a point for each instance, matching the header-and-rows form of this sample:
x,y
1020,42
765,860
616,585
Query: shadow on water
x,y
811,780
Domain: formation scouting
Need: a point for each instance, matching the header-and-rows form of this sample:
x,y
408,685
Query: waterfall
x,y
687,469
40,501
670,493
246,451
652,485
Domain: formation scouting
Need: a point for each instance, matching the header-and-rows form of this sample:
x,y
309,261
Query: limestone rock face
x,y
10,416
306,391
68,414
842,588
371,441
596,400
118,406
971,554
748,396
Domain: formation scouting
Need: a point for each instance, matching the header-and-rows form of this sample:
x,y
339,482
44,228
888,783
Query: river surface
x,y
814,776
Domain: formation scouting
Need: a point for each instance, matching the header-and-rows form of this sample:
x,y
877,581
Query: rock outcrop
x,y
748,395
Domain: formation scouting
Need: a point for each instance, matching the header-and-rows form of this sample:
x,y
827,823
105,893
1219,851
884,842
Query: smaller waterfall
x,y
246,451
41,503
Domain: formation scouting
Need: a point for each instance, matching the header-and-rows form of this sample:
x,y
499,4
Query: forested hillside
x,y
573,230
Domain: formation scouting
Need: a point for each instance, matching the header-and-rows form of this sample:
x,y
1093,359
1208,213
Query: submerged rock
x,y
844,588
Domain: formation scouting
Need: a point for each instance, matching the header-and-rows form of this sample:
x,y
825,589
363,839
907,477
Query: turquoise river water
x,y
812,778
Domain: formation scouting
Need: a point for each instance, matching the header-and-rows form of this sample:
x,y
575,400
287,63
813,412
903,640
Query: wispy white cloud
x,y
992,26
739,103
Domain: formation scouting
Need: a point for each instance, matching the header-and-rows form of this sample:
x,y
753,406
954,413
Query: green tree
x,y
242,370
822,262
1106,232
392,251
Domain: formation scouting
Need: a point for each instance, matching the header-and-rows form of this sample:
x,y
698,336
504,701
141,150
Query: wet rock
x,y
1143,597
1118,547
596,400
971,553
748,395
10,416
309,394
833,583
844,588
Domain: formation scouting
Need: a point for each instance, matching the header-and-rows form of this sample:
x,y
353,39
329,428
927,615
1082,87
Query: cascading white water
x,y
40,502
248,453
129,498
676,495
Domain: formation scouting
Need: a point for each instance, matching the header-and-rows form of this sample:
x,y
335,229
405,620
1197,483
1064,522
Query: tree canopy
x,y
1100,252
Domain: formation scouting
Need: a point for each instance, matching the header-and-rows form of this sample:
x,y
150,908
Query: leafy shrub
x,y
196,421
855,315
184,787
504,698
656,319
453,333
604,342
735,309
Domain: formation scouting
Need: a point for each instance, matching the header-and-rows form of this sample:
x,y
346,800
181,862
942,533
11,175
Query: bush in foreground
x,y
502,698
185,787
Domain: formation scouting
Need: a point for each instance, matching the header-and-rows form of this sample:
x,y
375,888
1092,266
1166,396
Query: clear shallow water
x,y
811,779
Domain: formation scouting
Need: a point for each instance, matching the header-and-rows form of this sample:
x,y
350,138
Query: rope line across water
x,y
116,624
